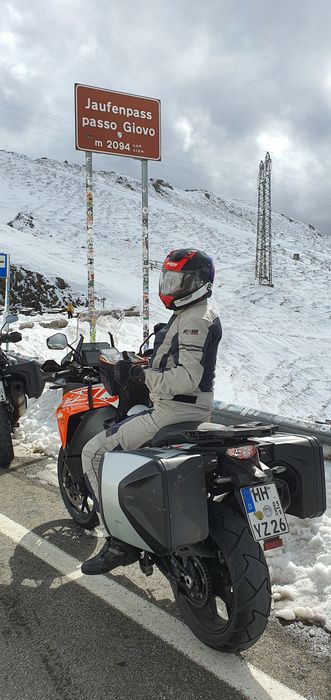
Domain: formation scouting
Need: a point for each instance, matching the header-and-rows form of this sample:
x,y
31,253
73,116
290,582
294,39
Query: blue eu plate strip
x,y
248,500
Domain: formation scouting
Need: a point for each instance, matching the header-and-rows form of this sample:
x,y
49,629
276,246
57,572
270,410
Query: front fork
x,y
9,410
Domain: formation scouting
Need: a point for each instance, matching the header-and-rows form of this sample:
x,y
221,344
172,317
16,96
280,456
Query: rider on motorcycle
x,y
179,376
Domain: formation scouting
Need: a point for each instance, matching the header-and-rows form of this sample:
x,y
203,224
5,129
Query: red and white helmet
x,y
187,276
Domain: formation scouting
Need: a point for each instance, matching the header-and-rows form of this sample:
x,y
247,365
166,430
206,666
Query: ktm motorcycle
x,y
202,503
18,382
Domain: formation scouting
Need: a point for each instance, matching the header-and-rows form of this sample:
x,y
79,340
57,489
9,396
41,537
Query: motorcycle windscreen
x,y
155,499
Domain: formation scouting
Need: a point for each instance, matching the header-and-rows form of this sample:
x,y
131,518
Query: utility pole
x,y
263,262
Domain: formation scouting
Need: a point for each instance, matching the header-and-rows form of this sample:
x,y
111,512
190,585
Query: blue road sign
x,y
3,265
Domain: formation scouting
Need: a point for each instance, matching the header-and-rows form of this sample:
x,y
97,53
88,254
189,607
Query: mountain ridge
x,y
275,348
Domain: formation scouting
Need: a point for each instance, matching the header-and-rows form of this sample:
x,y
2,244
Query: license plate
x,y
2,392
264,511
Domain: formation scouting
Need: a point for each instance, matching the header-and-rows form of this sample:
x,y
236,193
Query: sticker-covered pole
x,y
90,245
145,252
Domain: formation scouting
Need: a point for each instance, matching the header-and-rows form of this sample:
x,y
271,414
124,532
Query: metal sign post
x,y
90,246
145,250
7,290
5,274
7,296
121,124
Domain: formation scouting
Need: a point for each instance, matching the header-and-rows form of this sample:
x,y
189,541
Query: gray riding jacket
x,y
182,366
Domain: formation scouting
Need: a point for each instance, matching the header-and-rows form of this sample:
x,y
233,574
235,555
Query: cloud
x,y
235,79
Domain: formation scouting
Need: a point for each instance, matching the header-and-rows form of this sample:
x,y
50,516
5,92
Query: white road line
x,y
242,676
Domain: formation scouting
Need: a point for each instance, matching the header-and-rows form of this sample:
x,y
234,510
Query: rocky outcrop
x,y
33,290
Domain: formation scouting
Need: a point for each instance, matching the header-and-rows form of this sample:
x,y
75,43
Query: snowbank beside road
x,y
38,428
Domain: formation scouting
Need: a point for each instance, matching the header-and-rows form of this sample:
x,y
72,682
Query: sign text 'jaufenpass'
x,y
117,123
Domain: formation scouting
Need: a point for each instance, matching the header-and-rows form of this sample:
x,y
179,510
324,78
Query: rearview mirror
x,y
11,318
58,341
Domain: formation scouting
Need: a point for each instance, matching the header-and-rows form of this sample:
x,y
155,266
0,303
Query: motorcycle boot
x,y
112,554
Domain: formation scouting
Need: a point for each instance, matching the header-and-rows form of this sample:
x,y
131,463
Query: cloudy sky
x,y
235,77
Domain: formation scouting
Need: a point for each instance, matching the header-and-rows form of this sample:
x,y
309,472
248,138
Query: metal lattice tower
x,y
263,264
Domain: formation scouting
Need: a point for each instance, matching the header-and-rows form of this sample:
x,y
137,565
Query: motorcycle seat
x,y
174,433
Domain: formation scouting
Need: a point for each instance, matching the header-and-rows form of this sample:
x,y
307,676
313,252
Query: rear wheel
x,y
76,499
226,600
6,445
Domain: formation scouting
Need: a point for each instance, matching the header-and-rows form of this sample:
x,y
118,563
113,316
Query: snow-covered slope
x,y
275,350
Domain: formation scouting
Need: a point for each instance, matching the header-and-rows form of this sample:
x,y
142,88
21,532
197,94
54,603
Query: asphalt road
x,y
60,639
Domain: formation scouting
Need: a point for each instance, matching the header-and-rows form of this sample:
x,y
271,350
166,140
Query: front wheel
x,y
6,445
76,500
225,600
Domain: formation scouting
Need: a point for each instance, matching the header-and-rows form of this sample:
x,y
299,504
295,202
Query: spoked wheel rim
x,y
77,497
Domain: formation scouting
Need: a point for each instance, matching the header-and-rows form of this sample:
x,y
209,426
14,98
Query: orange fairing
x,y
76,401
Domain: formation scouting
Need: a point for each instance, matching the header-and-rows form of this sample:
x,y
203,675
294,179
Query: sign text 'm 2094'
x,y
116,145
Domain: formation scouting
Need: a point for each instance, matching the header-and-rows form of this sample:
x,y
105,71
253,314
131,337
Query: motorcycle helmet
x,y
186,277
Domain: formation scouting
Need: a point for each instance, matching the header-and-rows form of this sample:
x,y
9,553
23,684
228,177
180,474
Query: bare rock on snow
x,y
56,323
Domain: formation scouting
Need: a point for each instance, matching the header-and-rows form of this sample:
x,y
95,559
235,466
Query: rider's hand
x,y
137,374
51,366
121,372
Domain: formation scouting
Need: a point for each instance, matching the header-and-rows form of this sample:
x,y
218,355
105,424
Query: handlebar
x,y
82,372
75,371
51,376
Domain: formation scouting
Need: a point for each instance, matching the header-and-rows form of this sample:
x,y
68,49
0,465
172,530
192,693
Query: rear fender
x,y
219,513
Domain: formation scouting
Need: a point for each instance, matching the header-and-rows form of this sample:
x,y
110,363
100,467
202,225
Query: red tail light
x,y
272,543
242,451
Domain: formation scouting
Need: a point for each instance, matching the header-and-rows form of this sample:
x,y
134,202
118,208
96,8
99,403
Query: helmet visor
x,y
178,283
